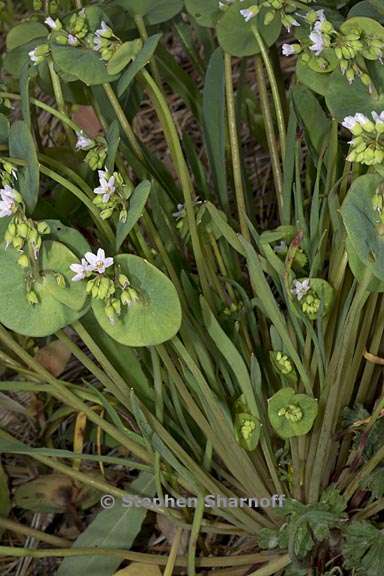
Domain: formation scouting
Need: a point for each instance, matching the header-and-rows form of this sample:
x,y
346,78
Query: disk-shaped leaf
x,y
49,493
139,62
68,236
345,99
291,414
155,11
363,223
81,63
370,27
50,314
369,9
15,59
359,269
155,318
22,146
235,34
205,12
137,203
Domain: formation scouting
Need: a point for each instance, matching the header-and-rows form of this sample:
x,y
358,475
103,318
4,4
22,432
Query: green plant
x,y
220,356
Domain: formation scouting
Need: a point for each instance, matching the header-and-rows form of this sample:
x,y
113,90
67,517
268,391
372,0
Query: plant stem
x,y
139,21
56,85
7,524
235,151
274,89
270,133
273,567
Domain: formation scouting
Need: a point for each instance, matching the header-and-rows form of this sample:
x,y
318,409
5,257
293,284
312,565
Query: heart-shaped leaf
x,y
155,11
24,33
81,63
358,269
123,56
205,12
155,317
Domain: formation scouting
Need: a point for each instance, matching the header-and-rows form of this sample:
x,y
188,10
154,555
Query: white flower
x,y
5,208
80,270
247,14
83,142
8,201
320,16
97,43
107,185
72,40
8,193
98,262
317,41
51,23
300,289
378,117
287,50
33,56
180,211
349,122
361,118
104,30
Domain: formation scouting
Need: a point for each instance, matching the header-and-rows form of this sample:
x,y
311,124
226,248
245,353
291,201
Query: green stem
x,y
7,524
139,21
56,85
274,89
270,133
235,151
172,137
273,567
120,114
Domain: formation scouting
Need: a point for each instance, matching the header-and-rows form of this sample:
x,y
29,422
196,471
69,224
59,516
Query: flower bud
x,y
23,261
116,305
104,287
60,280
32,297
123,216
123,280
43,228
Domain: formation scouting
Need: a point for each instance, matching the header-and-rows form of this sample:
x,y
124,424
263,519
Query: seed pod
x,y
23,261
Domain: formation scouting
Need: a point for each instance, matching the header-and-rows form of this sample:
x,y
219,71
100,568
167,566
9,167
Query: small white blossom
x,y
80,270
107,185
8,201
98,262
8,193
33,56
300,289
180,211
361,118
51,23
317,39
378,117
72,40
104,31
97,43
320,16
349,122
287,50
247,14
83,142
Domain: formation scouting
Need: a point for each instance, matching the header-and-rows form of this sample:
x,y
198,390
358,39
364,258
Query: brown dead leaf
x,y
54,357
86,118
168,530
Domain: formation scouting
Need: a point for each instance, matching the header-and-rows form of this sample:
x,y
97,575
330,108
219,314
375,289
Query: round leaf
x,y
235,34
155,318
51,314
24,33
81,64
316,81
358,269
205,12
155,11
68,236
363,223
285,399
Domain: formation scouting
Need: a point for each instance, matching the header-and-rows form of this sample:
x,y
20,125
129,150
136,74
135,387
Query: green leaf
x,y
71,237
113,140
300,413
50,314
155,11
316,81
48,493
137,203
155,317
369,8
117,527
4,129
358,269
205,12
24,33
5,500
312,116
81,63
214,121
363,223
344,99
235,34
139,62
363,549
15,59
219,219
368,26
22,146
124,55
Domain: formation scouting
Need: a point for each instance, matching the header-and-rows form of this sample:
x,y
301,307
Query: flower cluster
x,y
292,412
306,296
96,150
113,290
283,363
349,47
367,144
112,195
284,8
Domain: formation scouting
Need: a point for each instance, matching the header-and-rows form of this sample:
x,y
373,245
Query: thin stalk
x,y
274,89
235,150
12,526
172,137
273,567
56,85
168,571
143,558
270,132
140,24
